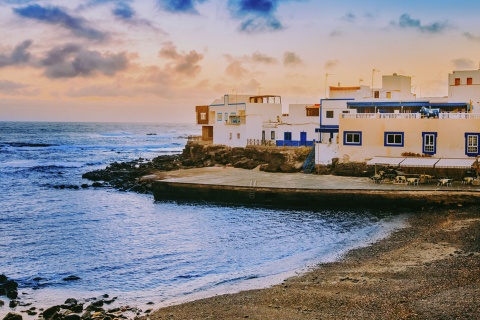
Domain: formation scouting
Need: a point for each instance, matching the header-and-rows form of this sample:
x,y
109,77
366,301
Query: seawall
x,y
303,197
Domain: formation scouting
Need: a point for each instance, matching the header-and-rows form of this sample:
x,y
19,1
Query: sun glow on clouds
x,y
154,60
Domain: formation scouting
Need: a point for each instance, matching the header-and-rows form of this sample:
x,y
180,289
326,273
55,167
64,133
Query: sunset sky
x,y
154,60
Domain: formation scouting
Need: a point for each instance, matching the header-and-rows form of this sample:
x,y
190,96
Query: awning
x,y
388,161
455,163
419,162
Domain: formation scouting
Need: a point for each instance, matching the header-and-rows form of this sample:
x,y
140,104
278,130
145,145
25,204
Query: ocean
x,y
127,245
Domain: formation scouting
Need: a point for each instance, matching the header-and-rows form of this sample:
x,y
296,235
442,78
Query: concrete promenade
x,y
230,176
252,186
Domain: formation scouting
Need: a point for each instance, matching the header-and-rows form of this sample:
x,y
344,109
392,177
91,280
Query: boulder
x,y
50,312
12,316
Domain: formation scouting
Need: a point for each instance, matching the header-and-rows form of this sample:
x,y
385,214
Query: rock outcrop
x,y
134,175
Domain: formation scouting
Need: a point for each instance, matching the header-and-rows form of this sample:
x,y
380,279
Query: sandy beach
x,y
428,270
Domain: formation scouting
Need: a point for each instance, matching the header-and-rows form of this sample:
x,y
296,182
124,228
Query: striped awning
x,y
388,161
455,163
419,162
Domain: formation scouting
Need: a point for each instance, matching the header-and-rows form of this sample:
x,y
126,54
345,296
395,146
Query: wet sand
x,y
428,270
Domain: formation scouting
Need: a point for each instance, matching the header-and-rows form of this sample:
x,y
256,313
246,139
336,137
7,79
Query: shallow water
x,y
127,245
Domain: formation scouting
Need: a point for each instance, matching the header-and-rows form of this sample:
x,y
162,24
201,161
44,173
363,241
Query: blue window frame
x,y
352,138
219,116
429,143
393,139
471,144
287,136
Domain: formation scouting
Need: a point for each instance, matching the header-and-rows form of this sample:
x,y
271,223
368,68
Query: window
x,y
313,112
203,116
429,143
272,135
389,95
352,138
393,139
471,144
457,81
377,94
469,81
287,136
238,135
330,114
230,136
219,116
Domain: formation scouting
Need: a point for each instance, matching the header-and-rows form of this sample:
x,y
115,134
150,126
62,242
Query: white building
x,y
464,86
241,120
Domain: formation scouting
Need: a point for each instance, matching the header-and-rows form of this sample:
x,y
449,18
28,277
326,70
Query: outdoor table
x,y
413,181
445,182
400,179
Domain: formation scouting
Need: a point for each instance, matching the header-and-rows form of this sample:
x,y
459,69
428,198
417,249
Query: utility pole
x,y
326,80
373,73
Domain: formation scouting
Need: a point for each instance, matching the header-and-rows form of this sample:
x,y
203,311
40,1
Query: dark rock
x,y
13,303
12,316
71,301
31,312
71,278
97,184
84,186
76,308
72,317
50,312
2,303
3,279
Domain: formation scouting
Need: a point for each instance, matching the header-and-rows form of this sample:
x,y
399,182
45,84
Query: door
x,y
303,138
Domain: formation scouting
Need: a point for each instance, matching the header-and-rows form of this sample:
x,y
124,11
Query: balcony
x,y
451,115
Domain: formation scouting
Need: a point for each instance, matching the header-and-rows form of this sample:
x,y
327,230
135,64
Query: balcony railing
x,y
445,115
259,142
294,143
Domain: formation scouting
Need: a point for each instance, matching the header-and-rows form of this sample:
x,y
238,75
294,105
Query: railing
x,y
381,115
415,115
259,142
309,163
457,115
294,143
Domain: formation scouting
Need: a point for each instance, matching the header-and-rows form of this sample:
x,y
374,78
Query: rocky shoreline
x,y
95,308
134,175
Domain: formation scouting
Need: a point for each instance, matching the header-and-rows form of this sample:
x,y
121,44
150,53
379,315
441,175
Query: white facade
x,y
241,120
464,86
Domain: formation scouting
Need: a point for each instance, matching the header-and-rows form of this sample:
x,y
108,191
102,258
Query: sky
x,y
155,60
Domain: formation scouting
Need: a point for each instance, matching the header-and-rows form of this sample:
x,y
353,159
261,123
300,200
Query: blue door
x,y
303,138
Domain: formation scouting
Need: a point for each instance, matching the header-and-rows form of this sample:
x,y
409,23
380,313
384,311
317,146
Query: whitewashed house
x,y
241,120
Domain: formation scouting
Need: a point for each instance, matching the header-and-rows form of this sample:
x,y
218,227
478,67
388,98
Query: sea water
x,y
127,245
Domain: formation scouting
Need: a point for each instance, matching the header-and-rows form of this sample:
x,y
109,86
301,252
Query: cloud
x,y
350,17
179,6
10,88
123,11
330,64
472,37
256,15
18,56
463,64
236,70
290,59
182,62
335,33
406,22
59,17
71,60
258,57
